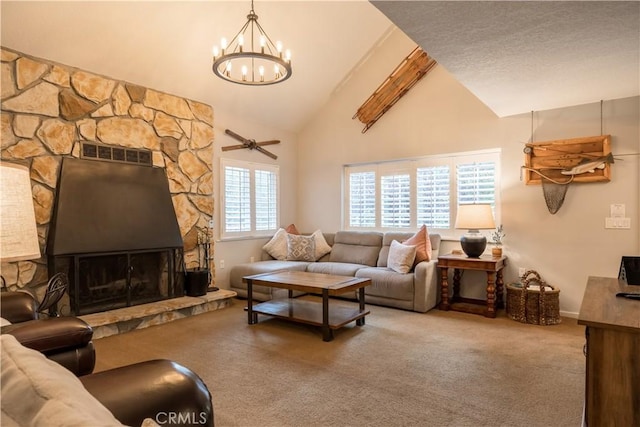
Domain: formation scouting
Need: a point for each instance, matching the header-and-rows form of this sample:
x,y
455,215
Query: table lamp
x,y
474,218
18,231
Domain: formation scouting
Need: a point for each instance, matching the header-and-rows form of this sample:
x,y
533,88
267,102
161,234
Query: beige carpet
x,y
400,369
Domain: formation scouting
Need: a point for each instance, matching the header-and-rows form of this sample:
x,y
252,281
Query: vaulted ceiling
x,y
519,56
514,56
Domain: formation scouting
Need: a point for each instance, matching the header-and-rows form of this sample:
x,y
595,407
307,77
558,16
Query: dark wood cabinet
x,y
612,350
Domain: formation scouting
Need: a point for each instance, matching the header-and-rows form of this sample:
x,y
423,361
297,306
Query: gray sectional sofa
x,y
358,254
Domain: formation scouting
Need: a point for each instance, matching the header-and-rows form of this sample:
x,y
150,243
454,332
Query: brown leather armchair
x,y
162,390
165,391
66,340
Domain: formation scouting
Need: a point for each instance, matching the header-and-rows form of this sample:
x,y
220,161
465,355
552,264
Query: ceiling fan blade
x,y
263,151
233,147
274,141
236,136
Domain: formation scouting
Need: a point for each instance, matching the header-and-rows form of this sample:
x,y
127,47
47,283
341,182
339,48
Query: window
x,y
427,190
250,198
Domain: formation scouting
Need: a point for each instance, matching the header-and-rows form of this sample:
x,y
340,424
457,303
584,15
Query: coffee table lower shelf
x,y
310,312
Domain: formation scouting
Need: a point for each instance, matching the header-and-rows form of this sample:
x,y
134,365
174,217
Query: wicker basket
x,y
536,306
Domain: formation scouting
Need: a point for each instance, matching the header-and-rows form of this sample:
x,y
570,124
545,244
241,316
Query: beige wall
x,y
240,251
440,116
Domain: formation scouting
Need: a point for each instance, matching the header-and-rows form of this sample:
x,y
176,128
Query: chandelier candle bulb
x,y
254,54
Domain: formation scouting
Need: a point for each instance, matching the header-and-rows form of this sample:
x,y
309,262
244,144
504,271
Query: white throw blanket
x,y
39,392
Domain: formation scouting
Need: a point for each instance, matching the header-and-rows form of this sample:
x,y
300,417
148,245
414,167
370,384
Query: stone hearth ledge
x,y
142,316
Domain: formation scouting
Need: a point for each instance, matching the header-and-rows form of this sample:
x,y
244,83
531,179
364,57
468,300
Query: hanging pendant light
x,y
251,58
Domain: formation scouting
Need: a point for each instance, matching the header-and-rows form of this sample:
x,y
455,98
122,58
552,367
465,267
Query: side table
x,y
495,285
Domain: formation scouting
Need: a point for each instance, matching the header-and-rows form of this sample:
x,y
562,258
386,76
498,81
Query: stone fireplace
x,y
115,233
49,110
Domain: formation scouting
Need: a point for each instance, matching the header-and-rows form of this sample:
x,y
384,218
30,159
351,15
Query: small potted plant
x,y
497,237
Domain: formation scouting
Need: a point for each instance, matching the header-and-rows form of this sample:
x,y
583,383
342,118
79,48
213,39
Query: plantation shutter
x,y
266,197
395,201
476,183
362,199
237,197
406,194
433,197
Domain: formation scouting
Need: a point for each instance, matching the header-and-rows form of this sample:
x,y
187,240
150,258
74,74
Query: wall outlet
x,y
221,264
252,259
521,271
614,222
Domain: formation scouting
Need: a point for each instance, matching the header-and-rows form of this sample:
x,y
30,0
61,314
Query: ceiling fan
x,y
251,144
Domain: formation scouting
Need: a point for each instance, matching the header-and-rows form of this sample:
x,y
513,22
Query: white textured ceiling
x,y
522,56
514,56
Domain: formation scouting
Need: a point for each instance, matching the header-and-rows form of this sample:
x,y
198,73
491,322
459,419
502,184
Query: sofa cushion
x,y
336,268
277,246
389,237
387,283
291,229
423,244
401,257
356,247
39,392
301,248
322,247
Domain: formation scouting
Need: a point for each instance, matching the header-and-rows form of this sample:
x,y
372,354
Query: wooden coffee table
x,y
308,312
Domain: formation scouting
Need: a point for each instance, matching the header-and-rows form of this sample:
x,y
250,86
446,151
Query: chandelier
x,y
251,58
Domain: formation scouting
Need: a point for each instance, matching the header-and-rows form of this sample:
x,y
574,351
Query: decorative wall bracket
x,y
404,77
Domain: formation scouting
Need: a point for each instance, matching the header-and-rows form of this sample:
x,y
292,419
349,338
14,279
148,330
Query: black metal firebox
x,y
99,282
114,232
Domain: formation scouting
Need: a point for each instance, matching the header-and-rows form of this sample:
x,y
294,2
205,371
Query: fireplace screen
x,y
106,282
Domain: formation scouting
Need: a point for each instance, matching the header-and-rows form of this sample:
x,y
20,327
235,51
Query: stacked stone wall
x,y
48,109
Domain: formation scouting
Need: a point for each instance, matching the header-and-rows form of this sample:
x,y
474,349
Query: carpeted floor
x,y
400,369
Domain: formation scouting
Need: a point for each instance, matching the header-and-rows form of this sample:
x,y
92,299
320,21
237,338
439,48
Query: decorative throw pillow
x,y
301,248
401,257
423,244
291,229
277,246
322,247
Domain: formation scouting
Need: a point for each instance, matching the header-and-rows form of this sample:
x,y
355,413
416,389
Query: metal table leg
x,y
327,333
360,321
252,317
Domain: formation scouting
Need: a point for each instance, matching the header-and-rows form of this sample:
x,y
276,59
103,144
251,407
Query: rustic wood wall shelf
x,y
414,67
552,157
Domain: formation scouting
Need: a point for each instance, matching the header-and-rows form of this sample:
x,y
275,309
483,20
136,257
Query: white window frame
x,y
411,166
252,167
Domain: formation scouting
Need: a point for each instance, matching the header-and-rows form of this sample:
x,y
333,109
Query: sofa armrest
x,y
162,390
50,335
18,307
426,286
65,340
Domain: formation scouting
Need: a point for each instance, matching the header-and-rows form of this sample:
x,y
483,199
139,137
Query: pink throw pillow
x,y
422,243
291,229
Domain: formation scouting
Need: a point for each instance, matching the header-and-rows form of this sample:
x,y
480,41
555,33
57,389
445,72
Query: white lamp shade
x,y
18,231
475,217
